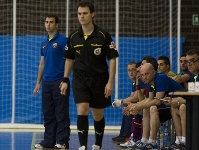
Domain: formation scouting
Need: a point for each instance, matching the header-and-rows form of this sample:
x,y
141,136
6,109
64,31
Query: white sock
x,y
144,140
183,139
131,137
153,142
178,139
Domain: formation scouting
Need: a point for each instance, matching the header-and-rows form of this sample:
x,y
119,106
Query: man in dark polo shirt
x,y
87,52
55,107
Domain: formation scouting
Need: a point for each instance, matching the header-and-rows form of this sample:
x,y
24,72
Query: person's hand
x,y
169,101
177,78
108,90
126,110
63,87
117,103
174,103
135,109
36,90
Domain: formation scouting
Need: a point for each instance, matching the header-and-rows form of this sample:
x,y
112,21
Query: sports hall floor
x,y
19,140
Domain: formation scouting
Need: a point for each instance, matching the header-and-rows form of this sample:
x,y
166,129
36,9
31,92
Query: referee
x,y
88,49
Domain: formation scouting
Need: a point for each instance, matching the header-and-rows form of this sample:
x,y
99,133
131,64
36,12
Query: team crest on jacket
x,y
97,51
113,46
54,45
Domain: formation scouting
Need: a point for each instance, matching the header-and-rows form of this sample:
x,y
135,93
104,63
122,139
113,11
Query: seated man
x,y
135,124
164,66
178,112
160,85
125,130
178,109
183,76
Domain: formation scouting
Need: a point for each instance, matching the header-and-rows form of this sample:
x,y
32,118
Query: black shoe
x,y
174,146
119,139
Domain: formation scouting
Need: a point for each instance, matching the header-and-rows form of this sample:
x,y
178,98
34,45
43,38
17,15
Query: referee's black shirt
x,y
90,55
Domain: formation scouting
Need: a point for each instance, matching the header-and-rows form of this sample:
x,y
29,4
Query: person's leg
x,y
98,102
99,124
182,112
82,123
48,109
177,121
136,128
145,125
146,130
127,123
62,114
125,131
82,98
154,122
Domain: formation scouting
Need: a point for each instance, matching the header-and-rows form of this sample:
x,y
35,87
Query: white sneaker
x,y
128,143
95,147
38,146
82,148
60,146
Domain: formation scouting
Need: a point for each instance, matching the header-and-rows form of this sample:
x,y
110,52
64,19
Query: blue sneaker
x,y
146,146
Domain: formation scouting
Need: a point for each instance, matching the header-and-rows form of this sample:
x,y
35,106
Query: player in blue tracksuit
x,y
55,106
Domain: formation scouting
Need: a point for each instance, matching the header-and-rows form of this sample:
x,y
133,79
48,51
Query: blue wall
x,y
28,107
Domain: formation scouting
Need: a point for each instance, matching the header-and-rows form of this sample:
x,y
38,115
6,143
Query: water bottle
x,y
158,138
161,138
167,139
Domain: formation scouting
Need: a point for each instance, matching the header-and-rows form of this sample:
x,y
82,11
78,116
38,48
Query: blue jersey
x,y
162,83
53,52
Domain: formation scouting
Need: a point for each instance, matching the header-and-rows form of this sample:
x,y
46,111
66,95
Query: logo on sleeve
x,y
66,47
113,46
44,47
54,45
97,51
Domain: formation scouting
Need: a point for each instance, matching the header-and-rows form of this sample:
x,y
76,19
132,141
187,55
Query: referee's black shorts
x,y
164,112
91,90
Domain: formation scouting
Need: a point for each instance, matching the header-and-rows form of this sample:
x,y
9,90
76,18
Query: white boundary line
x,y
40,128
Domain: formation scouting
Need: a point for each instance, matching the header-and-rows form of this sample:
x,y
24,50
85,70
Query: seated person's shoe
x,y
174,146
38,146
135,145
146,146
128,143
119,139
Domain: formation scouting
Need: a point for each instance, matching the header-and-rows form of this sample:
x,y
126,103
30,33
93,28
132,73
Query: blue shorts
x,y
91,90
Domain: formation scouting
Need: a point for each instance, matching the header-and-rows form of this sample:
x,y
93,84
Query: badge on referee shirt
x,y
97,51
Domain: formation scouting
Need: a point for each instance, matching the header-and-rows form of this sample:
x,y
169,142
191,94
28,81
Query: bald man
x,y
160,85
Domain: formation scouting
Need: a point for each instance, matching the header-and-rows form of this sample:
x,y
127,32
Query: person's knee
x,y
98,114
83,108
182,108
153,110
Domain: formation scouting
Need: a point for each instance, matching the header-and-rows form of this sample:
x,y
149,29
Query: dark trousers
x,y
125,130
55,109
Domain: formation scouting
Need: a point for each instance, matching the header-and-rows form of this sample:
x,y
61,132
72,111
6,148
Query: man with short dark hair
x,y
164,66
89,48
55,106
